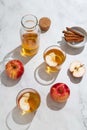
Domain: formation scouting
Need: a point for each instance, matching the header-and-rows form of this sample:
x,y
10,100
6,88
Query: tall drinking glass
x,y
30,34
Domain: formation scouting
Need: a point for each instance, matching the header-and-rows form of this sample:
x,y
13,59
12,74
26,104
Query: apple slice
x,y
26,95
24,104
50,59
77,69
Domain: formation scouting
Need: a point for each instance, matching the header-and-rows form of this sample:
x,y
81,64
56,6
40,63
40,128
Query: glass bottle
x,y
30,34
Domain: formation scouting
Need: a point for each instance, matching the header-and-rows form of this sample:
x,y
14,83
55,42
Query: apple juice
x,y
54,58
28,100
30,44
30,33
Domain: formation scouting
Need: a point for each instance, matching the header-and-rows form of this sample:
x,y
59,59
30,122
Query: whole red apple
x,y
14,69
59,92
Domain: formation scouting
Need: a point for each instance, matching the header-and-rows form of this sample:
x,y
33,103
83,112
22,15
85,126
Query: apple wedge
x,y
24,102
24,105
50,59
77,69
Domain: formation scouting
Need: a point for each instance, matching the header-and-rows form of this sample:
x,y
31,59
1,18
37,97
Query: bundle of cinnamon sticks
x,y
72,35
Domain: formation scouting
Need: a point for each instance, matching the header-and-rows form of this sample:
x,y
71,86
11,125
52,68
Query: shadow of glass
x,y
6,81
54,105
16,121
22,119
15,54
69,50
42,77
73,79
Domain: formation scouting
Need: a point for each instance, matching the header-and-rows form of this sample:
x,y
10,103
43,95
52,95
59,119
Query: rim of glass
x,y
22,21
26,90
54,46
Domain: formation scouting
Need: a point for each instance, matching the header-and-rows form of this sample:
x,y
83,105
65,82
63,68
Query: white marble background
x,y
73,116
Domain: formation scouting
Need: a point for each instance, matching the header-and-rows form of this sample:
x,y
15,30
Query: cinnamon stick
x,y
72,30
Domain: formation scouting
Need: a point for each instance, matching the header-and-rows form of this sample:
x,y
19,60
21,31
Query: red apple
x,y
59,92
14,69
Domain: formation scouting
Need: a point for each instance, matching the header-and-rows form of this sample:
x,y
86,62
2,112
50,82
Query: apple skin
x,y
60,92
14,69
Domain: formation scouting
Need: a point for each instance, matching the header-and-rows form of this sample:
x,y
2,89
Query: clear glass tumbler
x,y
28,100
54,57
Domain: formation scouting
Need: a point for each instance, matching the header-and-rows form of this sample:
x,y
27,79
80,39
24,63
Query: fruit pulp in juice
x,y
30,44
54,58
29,102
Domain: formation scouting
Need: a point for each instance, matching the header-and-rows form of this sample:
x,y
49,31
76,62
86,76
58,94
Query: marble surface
x,y
50,116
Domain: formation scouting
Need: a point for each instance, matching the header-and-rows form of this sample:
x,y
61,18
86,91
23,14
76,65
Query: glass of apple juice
x,y
54,57
28,100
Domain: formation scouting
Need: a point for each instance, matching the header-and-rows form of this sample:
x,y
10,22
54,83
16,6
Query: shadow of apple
x,y
6,81
73,79
54,105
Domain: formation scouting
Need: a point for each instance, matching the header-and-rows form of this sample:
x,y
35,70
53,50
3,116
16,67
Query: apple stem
x,y
61,90
14,67
82,65
79,67
76,68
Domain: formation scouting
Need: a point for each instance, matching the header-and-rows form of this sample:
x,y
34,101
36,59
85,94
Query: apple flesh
x,y
77,69
60,92
24,102
14,69
50,59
